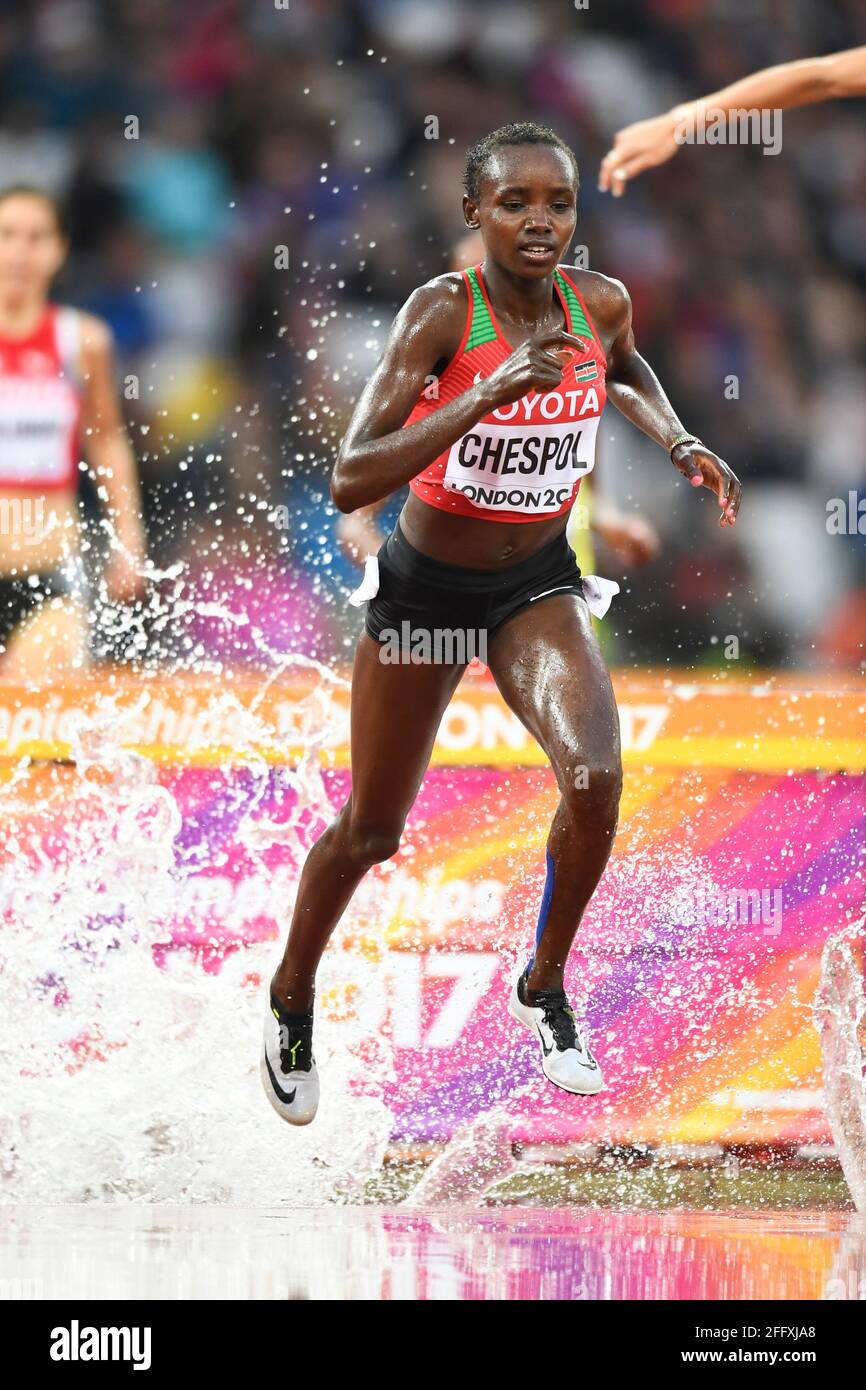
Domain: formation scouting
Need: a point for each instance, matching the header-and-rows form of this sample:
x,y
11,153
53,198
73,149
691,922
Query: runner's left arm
x,y
637,393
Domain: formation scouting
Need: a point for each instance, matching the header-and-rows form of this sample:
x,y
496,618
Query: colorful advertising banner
x,y
740,850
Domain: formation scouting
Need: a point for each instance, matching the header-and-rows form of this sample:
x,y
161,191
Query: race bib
x,y
35,431
533,468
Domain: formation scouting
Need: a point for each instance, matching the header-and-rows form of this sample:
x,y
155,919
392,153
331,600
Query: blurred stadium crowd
x,y
258,126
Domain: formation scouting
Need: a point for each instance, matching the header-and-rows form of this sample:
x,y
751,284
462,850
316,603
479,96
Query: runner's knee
x,y
371,842
592,787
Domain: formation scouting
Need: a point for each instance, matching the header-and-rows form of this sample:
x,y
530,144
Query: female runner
x,y
630,537
56,387
474,406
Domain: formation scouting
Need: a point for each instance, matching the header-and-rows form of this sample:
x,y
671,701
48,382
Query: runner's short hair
x,y
517,133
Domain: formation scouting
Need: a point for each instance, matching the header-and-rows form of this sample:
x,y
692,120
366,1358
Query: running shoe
x,y
566,1059
288,1067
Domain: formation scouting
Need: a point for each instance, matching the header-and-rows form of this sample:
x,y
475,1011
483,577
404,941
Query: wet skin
x,y
545,659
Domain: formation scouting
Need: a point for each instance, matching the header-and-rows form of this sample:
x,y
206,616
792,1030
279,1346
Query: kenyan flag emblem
x,y
588,372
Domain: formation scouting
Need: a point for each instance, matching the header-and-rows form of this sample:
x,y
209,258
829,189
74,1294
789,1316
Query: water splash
x,y
131,1071
839,1013
479,1155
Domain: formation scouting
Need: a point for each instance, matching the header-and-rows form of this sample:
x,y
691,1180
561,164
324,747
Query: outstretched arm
x,y
645,144
635,390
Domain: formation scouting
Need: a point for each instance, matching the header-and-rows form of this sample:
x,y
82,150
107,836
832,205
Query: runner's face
x,y
31,246
527,192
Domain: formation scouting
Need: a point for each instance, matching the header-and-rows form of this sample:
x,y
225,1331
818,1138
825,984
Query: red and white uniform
x,y
41,395
524,460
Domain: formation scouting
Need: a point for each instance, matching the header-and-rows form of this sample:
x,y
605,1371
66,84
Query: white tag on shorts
x,y
598,593
369,585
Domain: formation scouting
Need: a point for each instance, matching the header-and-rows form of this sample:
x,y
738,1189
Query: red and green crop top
x,y
524,460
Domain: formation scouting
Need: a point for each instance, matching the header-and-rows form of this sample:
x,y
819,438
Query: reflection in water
x,y
461,1253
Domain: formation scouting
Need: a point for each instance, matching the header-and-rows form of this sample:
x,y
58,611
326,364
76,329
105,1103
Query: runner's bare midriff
x,y
465,540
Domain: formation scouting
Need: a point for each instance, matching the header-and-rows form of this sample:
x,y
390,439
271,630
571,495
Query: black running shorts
x,y
429,594
22,593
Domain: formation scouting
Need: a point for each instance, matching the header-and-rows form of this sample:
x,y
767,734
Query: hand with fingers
x,y
783,86
636,148
703,468
537,365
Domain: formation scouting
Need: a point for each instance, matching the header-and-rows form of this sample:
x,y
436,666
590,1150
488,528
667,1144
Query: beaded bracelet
x,y
684,439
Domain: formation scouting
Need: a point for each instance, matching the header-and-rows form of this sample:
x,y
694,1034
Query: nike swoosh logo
x,y
586,1057
560,589
285,1096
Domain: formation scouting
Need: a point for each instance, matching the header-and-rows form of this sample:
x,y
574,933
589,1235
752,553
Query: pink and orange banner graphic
x,y
740,850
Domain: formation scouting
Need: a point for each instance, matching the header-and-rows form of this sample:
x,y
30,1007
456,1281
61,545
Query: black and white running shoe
x,y
288,1067
565,1056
